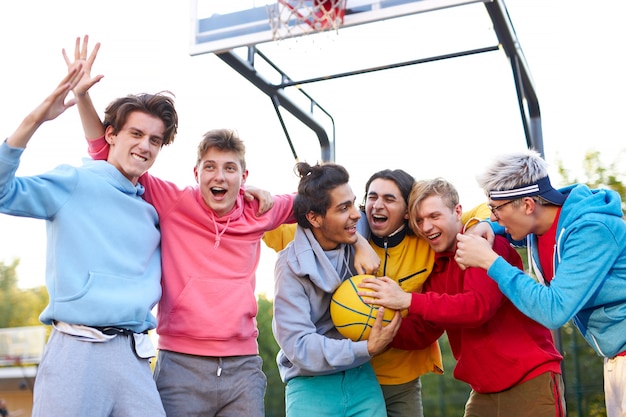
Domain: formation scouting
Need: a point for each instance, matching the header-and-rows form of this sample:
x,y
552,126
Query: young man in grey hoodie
x,y
324,373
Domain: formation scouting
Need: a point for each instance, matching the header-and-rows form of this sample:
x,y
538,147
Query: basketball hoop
x,y
289,18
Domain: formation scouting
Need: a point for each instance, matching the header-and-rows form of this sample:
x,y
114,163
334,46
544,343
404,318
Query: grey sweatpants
x,y
205,386
95,379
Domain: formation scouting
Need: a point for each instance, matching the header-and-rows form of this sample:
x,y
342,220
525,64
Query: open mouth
x,y
433,236
218,191
377,218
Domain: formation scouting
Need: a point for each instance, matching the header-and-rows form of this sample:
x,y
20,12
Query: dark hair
x,y
160,105
225,140
316,183
403,180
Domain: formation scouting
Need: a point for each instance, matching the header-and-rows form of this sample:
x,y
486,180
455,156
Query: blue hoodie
x,y
103,261
589,283
306,276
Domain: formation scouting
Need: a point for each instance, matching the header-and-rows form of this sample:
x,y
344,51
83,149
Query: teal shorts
x,y
350,393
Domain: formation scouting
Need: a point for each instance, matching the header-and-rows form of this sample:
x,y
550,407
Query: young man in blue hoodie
x,y
325,373
103,271
577,249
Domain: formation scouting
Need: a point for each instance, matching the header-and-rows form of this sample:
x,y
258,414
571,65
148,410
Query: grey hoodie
x,y
305,278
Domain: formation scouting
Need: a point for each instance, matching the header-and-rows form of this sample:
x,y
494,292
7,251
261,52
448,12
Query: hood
x,y
312,261
582,200
113,176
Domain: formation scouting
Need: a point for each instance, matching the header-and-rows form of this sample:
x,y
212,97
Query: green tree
x,y
268,349
597,174
19,307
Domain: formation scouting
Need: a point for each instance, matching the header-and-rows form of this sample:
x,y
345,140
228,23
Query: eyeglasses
x,y
495,209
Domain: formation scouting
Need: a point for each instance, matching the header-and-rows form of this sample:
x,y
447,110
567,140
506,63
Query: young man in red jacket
x,y
509,360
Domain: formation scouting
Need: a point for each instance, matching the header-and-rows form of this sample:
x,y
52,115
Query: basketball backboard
x,y
219,26
339,45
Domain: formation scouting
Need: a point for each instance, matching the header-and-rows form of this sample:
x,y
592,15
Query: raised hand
x,y
49,109
81,57
92,126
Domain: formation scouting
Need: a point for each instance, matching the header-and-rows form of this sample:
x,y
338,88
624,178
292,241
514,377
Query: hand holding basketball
x,y
354,315
384,291
381,335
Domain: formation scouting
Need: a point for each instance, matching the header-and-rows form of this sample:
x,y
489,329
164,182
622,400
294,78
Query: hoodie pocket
x,y
216,309
108,300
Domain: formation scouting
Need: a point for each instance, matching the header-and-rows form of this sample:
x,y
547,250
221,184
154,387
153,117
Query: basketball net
x,y
290,18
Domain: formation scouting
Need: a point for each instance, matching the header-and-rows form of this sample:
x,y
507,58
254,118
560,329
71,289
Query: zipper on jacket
x,y
421,271
386,246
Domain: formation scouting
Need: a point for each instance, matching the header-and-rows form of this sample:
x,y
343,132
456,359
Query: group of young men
x,y
121,241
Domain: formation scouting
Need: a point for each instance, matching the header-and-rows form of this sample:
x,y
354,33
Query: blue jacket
x,y
589,283
305,278
103,262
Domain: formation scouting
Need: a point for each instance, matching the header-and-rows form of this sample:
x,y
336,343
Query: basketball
x,y
351,314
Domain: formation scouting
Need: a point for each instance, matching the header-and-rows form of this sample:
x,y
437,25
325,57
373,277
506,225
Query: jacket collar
x,y
390,241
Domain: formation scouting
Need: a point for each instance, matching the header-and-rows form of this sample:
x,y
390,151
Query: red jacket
x,y
495,345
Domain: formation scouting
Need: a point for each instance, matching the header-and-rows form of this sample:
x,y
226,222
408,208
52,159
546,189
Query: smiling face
x,y
220,176
438,223
385,207
135,147
338,225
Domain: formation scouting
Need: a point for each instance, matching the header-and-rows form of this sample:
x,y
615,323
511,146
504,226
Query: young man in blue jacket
x,y
103,264
577,249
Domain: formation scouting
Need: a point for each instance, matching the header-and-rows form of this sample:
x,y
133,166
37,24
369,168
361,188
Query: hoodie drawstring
x,y
218,234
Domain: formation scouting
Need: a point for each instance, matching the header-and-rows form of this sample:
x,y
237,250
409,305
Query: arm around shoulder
x,y
280,237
